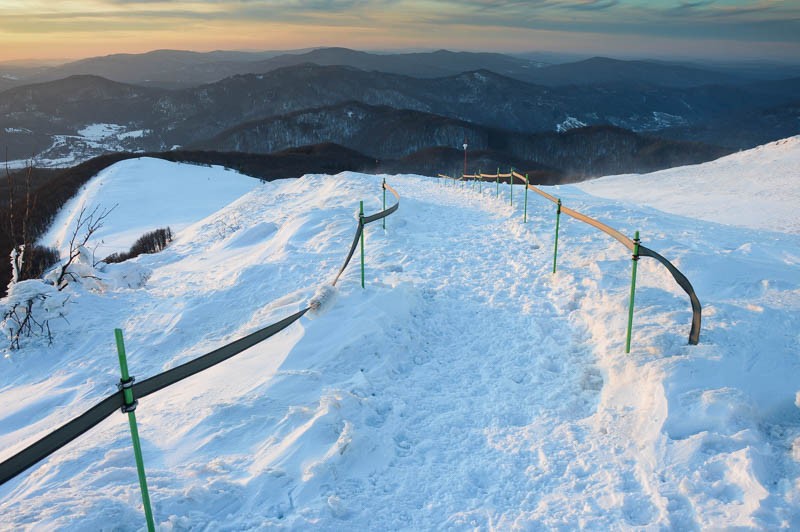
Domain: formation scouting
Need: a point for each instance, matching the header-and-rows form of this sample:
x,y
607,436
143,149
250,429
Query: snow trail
x,y
482,400
466,387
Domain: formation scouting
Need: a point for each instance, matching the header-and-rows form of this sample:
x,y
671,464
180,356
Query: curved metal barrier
x,y
92,417
680,278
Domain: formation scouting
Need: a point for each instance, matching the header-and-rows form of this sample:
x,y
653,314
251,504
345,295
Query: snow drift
x,y
465,387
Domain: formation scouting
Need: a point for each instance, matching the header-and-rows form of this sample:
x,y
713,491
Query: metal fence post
x,y
525,211
633,291
511,185
363,228
126,385
555,248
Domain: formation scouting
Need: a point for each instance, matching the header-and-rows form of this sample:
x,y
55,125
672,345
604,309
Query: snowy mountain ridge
x,y
465,387
764,193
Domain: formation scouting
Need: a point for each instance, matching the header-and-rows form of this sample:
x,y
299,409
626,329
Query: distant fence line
x,y
632,244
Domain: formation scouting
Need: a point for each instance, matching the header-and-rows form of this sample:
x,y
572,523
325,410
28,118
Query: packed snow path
x,y
465,387
488,382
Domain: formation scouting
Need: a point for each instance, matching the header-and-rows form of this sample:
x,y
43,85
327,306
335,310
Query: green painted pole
x,y
525,211
480,183
126,383
633,291
363,228
511,184
555,248
384,201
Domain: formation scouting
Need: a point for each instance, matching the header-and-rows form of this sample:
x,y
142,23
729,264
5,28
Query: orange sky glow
x,y
69,29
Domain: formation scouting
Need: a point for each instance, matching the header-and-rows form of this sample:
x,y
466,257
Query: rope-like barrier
x,y
680,278
63,435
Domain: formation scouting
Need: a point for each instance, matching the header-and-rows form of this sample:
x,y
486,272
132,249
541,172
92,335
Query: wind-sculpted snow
x,y
145,194
466,387
756,188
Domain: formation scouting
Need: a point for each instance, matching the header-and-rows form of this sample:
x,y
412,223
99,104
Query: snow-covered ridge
x,y
465,387
146,194
758,188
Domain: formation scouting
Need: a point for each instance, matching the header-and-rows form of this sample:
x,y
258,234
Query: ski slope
x,y
467,387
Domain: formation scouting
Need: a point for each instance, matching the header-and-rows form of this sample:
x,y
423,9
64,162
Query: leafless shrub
x,y
86,226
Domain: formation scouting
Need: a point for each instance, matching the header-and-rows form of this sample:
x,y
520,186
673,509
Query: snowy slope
x,y
758,188
146,194
467,387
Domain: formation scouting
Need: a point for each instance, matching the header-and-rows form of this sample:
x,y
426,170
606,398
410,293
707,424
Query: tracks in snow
x,y
489,403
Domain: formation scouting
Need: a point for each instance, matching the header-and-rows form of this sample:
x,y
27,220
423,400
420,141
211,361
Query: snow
x,y
756,188
147,194
661,120
569,123
99,132
467,387
104,132
90,141
136,134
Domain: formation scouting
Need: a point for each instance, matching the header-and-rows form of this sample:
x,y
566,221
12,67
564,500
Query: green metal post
x,y
384,201
480,183
633,291
525,211
130,407
555,248
511,184
363,228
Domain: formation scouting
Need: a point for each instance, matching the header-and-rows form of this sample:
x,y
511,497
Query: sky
x,y
718,29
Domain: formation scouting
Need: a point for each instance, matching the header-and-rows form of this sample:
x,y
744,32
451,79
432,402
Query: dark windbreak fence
x,y
632,244
60,437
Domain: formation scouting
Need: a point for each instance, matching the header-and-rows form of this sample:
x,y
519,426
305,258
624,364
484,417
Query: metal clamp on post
x,y
126,387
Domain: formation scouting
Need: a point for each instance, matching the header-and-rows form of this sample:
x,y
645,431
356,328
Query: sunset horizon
x,y
35,30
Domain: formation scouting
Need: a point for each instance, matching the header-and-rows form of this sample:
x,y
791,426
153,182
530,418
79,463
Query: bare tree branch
x,y
86,226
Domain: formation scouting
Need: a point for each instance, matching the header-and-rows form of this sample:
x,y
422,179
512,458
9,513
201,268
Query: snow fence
x,y
633,244
125,399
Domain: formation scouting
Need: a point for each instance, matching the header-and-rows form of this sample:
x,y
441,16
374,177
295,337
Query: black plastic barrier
x,y
362,221
63,435
683,282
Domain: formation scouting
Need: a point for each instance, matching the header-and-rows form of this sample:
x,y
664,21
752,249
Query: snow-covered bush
x,y
31,304
28,309
80,269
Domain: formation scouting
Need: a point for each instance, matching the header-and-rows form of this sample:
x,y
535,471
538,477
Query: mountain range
x,y
181,69
406,102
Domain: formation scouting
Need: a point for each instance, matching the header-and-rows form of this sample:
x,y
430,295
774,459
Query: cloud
x,y
420,23
592,5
